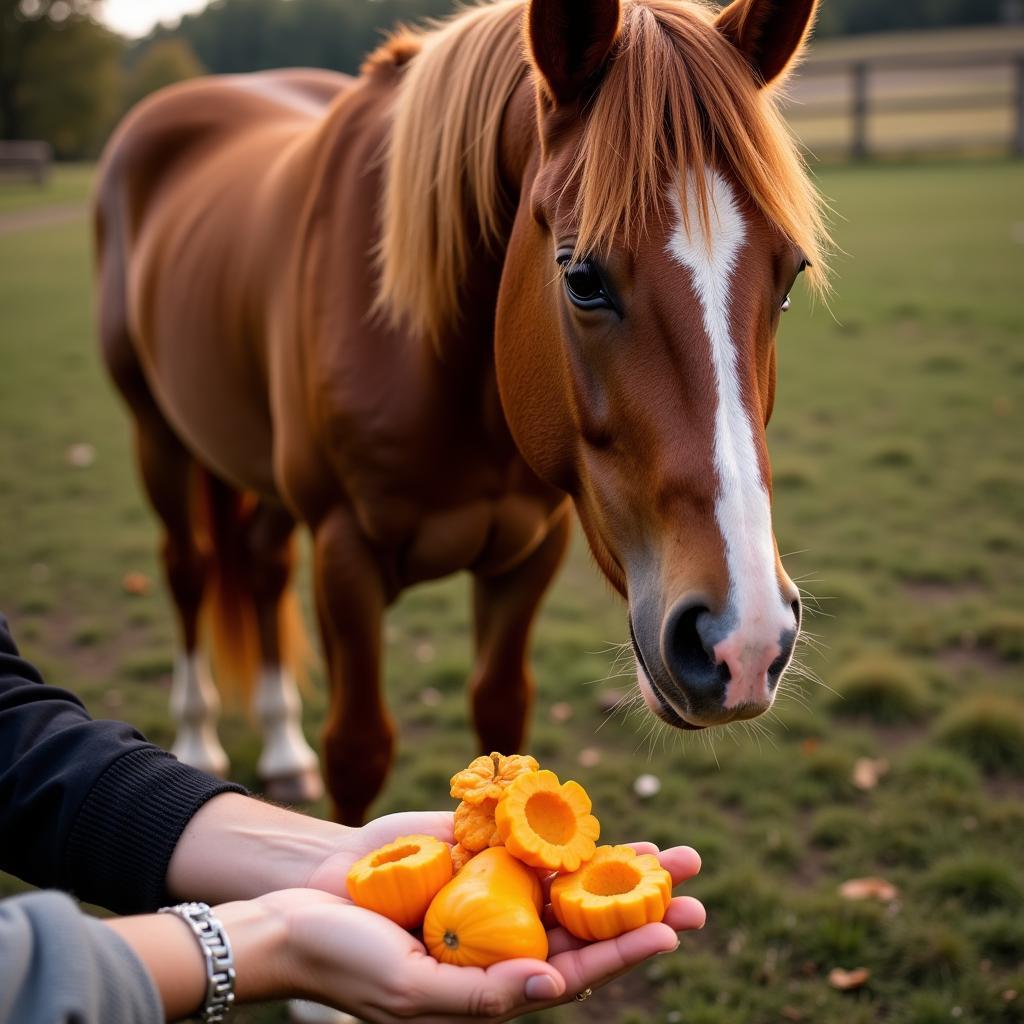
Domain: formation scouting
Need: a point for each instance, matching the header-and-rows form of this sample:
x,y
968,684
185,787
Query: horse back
x,y
199,195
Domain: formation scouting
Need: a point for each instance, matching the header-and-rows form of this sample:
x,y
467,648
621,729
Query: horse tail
x,y
229,618
228,614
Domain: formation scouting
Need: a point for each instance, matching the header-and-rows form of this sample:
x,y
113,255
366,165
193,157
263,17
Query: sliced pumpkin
x,y
461,856
490,911
399,880
488,776
474,825
616,891
546,823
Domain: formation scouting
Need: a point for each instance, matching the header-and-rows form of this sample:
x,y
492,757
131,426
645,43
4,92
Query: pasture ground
x,y
900,494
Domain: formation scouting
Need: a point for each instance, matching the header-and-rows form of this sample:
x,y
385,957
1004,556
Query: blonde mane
x,y
675,98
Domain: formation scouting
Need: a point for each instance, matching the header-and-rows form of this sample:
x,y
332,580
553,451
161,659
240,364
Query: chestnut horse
x,y
533,258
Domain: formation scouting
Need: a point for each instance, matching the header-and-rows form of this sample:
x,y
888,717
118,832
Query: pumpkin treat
x,y
546,823
461,856
488,776
399,880
614,892
490,911
474,825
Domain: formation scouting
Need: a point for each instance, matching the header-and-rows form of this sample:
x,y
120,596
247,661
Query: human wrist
x,y
237,848
258,936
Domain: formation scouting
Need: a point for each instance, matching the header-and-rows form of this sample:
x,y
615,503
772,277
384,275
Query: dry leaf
x,y
809,745
791,1013
608,700
846,981
869,889
868,770
81,455
561,712
136,583
589,756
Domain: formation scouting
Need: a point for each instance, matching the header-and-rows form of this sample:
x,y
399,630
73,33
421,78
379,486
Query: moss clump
x,y
885,689
988,731
977,883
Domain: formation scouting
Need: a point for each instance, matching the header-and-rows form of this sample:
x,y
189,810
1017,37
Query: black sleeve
x,y
87,806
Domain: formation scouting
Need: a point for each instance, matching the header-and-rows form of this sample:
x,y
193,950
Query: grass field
x,y
900,495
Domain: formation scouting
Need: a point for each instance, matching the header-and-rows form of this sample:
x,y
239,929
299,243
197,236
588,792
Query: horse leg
x,y
350,596
504,607
170,475
288,767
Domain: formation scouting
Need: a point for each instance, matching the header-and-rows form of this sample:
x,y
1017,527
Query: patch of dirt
x,y
41,217
959,659
941,594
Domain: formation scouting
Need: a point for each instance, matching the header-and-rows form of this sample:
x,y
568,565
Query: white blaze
x,y
743,508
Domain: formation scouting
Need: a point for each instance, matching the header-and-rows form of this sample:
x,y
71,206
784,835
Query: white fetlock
x,y
286,755
195,705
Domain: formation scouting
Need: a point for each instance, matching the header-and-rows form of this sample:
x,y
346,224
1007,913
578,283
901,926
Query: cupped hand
x,y
330,874
360,962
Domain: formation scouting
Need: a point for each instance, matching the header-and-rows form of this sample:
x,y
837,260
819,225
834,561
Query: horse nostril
x,y
689,653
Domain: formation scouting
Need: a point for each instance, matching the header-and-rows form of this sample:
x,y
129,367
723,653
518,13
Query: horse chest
x,y
484,536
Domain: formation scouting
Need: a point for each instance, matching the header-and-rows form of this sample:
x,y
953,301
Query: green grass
x,y
67,183
900,484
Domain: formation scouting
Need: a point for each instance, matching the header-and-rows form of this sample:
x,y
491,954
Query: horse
x,y
533,259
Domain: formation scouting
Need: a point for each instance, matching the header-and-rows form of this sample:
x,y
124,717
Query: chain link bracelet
x,y
220,963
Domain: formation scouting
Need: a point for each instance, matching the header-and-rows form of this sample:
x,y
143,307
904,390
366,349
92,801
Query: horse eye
x,y
785,304
583,285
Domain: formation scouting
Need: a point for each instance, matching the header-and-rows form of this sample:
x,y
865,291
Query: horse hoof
x,y
301,1011
303,787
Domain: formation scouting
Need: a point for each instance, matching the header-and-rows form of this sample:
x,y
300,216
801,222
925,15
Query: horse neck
x,y
470,340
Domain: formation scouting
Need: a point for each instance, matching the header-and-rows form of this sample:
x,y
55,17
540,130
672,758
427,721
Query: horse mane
x,y
675,98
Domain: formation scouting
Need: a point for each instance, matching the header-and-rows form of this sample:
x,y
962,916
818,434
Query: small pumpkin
x,y
461,856
474,825
400,879
614,892
546,823
490,911
488,776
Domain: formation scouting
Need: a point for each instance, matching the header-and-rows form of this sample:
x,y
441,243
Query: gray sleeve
x,y
59,966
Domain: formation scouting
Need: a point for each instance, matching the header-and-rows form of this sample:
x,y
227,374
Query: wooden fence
x,y
862,108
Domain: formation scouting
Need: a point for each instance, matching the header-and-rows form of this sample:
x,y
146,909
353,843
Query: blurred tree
x,y
59,74
163,62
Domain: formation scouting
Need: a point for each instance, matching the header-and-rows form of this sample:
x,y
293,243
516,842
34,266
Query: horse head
x,y
663,220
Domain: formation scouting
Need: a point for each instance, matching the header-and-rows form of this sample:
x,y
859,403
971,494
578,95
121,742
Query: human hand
x,y
358,961
332,871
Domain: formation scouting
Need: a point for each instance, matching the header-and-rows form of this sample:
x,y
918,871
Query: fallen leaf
x,y
1009,995
81,455
809,745
869,889
846,981
589,756
868,770
137,584
608,700
791,1013
647,786
561,712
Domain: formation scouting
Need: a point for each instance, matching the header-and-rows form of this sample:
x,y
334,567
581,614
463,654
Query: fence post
x,y
859,110
1018,140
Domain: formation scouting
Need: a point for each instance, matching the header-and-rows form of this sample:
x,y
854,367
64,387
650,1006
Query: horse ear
x,y
570,41
769,33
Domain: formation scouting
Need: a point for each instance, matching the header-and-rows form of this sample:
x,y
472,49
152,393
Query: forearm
x,y
237,848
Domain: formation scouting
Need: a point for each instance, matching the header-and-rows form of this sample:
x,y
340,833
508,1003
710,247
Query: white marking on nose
x,y
743,508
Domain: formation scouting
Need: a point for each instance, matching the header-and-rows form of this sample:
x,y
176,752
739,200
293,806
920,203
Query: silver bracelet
x,y
220,963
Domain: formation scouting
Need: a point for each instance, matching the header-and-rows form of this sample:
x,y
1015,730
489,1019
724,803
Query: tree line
x,y
66,78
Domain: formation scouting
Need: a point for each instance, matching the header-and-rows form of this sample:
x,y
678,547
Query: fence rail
x,y
864,90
